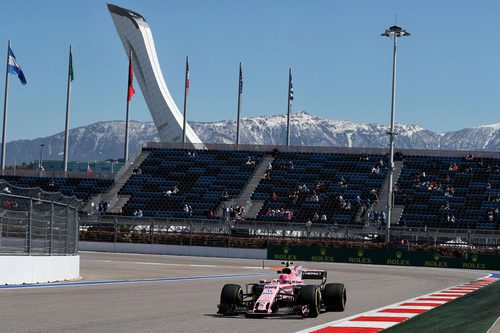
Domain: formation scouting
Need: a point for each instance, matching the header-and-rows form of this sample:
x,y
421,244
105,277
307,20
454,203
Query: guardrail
x,y
262,233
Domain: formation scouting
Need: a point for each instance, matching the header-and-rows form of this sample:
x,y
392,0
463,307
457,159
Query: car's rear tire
x,y
335,297
230,297
309,296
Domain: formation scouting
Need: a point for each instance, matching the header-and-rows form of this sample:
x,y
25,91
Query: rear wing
x,y
314,275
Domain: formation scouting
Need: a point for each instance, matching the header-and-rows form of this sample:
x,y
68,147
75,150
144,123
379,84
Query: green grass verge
x,y
475,313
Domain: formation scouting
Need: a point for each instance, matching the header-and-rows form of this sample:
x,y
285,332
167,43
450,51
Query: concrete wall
x,y
37,269
200,251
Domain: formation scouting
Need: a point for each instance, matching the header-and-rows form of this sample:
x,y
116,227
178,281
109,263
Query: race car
x,y
288,294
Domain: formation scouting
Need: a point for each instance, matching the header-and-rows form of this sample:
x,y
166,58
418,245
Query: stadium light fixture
x,y
393,32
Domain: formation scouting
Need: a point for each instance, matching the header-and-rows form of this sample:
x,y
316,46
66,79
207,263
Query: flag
x,y
290,87
89,170
241,80
187,74
131,90
70,69
15,68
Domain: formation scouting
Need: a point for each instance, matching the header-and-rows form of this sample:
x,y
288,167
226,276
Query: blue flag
x,y
15,68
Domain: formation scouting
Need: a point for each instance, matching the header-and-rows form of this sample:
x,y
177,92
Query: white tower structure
x,y
136,36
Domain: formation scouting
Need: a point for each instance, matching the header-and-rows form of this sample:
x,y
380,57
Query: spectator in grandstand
x,y
490,215
372,217
250,161
275,196
316,217
376,169
320,187
450,217
275,152
269,166
382,217
343,182
469,156
363,157
308,227
225,196
323,218
453,167
313,197
398,156
52,183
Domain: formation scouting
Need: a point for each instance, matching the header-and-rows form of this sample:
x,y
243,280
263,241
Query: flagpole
x,y
66,129
186,87
289,108
125,157
5,104
240,88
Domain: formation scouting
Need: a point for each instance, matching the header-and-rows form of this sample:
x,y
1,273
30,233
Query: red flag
x,y
187,74
89,170
131,90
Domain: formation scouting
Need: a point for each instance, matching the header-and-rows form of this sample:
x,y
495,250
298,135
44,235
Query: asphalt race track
x,y
165,303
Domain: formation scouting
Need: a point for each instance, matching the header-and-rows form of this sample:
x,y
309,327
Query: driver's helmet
x,y
285,278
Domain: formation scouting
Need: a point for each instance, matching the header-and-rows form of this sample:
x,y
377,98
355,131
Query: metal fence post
x,y
152,231
190,233
30,222
116,231
51,228
66,243
77,231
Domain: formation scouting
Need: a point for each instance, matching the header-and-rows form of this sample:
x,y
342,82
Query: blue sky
x,y
448,69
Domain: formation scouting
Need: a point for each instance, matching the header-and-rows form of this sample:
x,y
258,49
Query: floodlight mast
x,y
394,32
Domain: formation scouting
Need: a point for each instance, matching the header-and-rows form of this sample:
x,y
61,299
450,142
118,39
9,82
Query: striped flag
x,y
70,70
187,74
290,87
131,90
15,68
241,80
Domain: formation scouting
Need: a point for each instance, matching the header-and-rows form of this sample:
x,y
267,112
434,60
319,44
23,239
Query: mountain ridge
x,y
104,139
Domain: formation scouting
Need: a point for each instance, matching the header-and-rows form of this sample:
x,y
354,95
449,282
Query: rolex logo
x,y
285,250
322,251
399,254
436,256
474,258
360,253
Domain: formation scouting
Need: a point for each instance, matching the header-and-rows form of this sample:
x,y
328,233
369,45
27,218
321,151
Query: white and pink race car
x,y
287,294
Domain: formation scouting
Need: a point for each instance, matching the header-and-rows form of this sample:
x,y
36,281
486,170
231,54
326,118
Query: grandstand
x,y
329,186
319,192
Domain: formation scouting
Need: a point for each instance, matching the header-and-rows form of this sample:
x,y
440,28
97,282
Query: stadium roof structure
x,y
136,37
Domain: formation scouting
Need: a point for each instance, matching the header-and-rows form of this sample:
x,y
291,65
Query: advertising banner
x,y
382,257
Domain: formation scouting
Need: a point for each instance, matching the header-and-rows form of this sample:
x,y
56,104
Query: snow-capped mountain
x,y
104,140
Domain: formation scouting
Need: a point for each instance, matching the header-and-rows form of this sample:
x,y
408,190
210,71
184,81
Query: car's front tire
x,y
310,299
230,297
